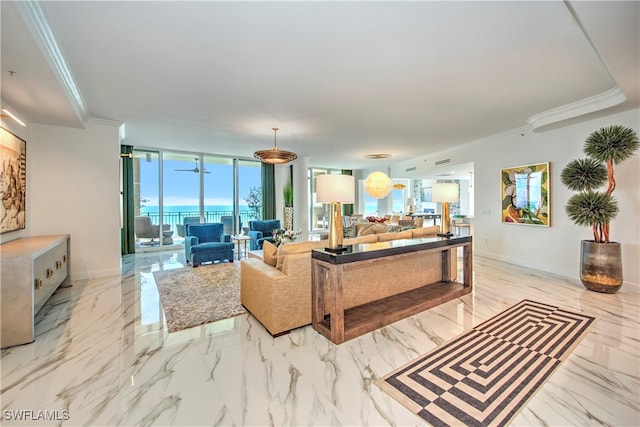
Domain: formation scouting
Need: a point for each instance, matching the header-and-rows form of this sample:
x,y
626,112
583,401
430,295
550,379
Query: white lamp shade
x,y
335,188
410,201
378,185
444,192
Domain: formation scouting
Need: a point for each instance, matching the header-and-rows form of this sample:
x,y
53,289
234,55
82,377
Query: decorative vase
x,y
288,218
601,266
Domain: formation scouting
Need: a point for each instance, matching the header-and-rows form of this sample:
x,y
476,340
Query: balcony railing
x,y
175,218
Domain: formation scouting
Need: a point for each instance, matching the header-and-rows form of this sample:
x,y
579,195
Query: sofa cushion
x,y
212,232
425,231
372,238
297,248
300,247
373,229
385,237
269,252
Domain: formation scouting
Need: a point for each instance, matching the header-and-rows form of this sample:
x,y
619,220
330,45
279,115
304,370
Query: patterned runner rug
x,y
486,375
195,296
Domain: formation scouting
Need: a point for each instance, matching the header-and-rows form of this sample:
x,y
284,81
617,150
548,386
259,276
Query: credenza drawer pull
x,y
37,283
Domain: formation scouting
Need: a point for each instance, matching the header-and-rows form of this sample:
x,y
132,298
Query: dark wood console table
x,y
331,319
433,217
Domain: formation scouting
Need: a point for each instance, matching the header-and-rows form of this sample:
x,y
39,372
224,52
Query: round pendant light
x,y
378,184
275,156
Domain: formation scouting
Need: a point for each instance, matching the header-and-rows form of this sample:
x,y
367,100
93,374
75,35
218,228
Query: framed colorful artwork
x,y
13,181
525,194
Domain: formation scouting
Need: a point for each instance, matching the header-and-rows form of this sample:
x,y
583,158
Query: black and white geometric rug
x,y
486,375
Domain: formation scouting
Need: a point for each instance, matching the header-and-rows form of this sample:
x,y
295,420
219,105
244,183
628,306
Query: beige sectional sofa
x,y
277,289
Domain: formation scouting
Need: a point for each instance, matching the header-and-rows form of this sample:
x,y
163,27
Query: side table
x,y
241,239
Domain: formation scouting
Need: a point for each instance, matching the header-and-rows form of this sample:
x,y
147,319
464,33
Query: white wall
x,y
555,249
73,188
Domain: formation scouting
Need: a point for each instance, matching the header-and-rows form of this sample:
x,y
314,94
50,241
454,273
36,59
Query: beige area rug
x,y
195,296
486,375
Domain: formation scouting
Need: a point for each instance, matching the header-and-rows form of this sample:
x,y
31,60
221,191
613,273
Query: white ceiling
x,y
340,79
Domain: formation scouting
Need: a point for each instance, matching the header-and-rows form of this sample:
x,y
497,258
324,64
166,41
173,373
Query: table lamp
x,y
410,203
445,193
335,189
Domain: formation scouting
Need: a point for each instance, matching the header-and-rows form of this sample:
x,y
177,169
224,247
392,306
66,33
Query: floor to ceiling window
x,y
146,197
173,186
180,187
249,194
217,188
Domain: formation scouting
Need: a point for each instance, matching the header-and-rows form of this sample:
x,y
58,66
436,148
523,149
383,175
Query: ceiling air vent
x,y
442,162
410,169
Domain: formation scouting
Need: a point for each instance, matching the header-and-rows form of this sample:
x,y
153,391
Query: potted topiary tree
x,y
287,193
601,259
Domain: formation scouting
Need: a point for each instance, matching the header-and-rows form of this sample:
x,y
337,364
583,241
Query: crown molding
x,y
592,104
38,24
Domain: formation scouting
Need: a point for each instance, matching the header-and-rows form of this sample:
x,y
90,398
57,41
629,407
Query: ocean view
x,y
195,209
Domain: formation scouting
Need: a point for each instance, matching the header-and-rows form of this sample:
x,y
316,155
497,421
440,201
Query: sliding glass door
x,y
146,197
180,188
185,187
218,191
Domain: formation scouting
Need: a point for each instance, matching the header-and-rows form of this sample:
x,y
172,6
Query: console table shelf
x,y
339,324
374,315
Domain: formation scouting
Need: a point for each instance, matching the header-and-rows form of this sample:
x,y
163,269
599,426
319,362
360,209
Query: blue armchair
x,y
182,228
261,231
207,243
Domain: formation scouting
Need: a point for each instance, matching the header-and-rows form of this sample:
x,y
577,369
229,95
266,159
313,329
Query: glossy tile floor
x,y
103,357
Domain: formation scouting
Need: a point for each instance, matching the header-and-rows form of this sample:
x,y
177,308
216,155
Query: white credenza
x,y
32,269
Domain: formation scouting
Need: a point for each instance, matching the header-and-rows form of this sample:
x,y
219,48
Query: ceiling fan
x,y
195,169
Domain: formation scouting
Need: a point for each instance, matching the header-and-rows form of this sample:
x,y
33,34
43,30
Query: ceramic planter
x,y
601,266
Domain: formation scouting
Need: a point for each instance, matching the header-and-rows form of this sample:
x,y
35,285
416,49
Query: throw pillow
x,y
269,252
405,222
392,228
349,231
367,231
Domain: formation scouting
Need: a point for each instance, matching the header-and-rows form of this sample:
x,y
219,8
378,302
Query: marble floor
x,y
103,357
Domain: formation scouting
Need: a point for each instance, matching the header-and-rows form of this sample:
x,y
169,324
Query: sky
x,y
181,188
